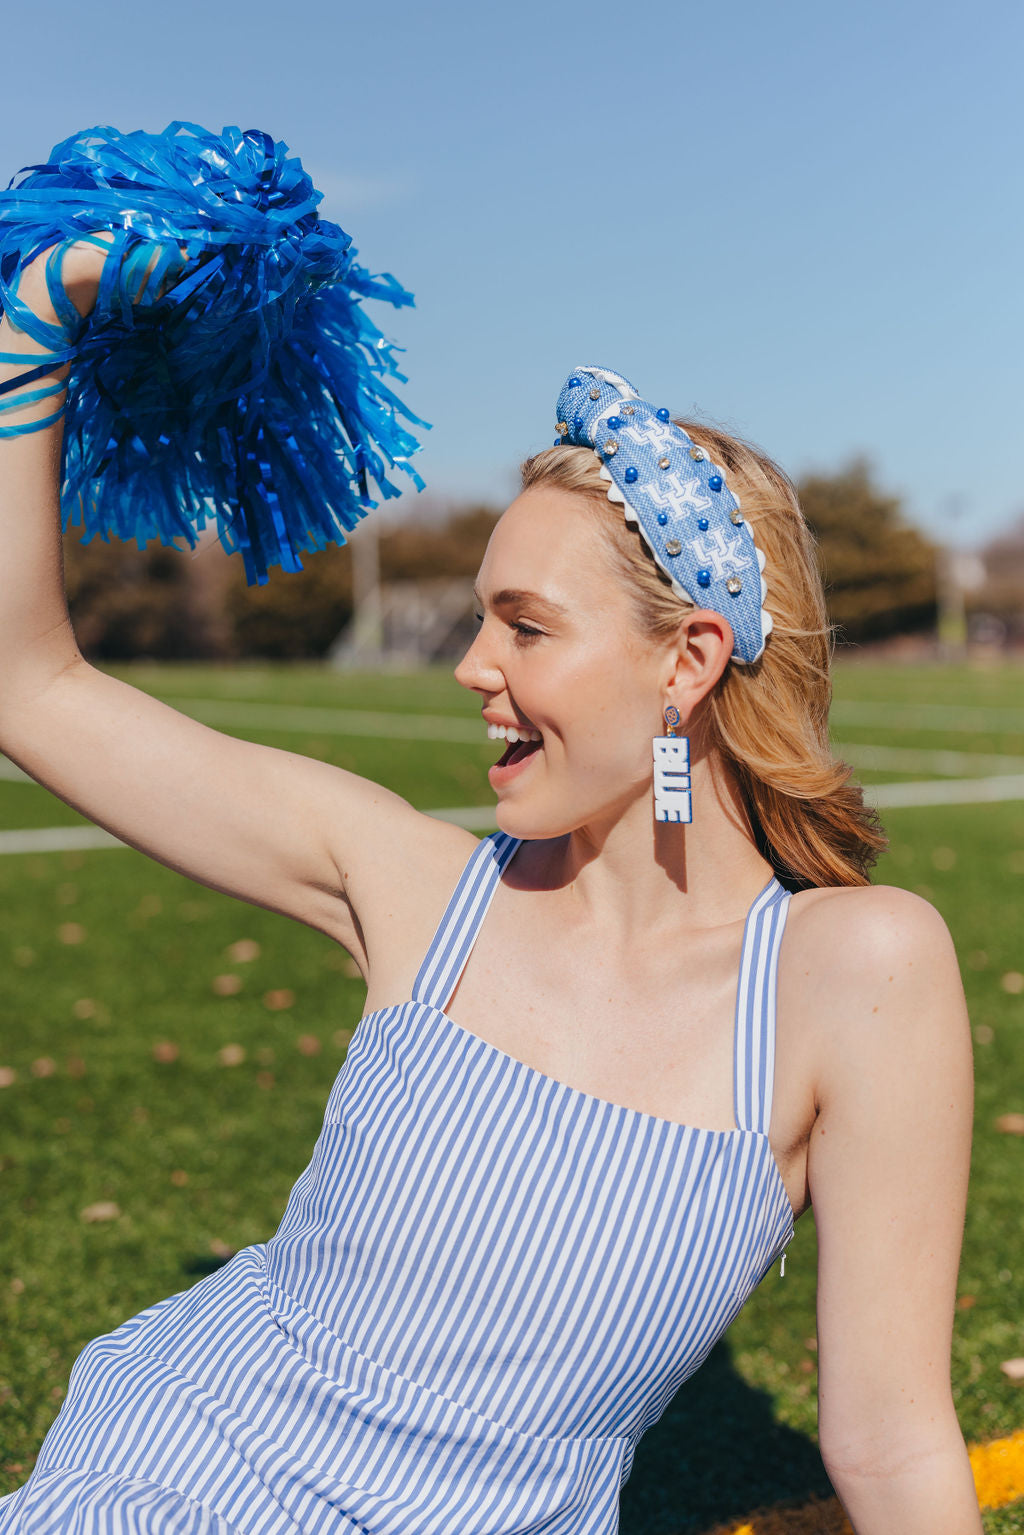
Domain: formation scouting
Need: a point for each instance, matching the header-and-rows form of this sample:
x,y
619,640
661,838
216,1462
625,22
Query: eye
x,y
525,633
478,618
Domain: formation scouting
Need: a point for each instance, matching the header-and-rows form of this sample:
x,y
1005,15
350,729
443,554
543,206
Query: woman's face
x,y
559,655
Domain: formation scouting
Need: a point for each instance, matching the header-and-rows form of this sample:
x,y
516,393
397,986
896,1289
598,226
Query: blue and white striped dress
x,y
487,1284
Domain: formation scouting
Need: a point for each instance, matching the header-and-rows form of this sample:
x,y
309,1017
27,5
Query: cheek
x,y
607,728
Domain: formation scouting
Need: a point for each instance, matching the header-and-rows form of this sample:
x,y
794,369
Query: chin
x,y
534,823
521,824
531,822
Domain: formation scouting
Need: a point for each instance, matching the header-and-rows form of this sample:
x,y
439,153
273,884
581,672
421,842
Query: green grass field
x,y
135,1077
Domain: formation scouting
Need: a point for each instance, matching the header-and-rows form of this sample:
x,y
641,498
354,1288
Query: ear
x,y
697,658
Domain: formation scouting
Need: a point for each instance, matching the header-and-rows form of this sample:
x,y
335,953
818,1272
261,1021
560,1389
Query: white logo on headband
x,y
724,555
673,494
659,435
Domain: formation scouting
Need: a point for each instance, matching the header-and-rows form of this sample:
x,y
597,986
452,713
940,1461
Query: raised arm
x,y
887,1171
271,827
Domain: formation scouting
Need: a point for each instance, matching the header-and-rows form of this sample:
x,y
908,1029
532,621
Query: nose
x,y
477,669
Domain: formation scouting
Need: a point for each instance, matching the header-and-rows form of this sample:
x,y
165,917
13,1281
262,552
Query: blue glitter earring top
x,y
675,496
228,373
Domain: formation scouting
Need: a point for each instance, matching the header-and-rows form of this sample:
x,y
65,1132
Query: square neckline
x,y
556,1084
494,869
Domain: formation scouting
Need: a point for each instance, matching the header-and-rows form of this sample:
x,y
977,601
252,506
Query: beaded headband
x,y
676,498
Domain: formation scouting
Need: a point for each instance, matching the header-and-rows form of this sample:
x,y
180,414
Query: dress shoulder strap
x,y
457,932
754,1051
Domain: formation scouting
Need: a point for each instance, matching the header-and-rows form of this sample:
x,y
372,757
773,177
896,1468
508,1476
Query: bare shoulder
x,y
858,934
873,974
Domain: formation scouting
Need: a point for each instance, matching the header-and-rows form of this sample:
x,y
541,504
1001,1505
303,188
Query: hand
x,y
81,267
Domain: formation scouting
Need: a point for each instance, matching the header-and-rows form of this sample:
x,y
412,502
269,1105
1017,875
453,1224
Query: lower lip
x,y
499,777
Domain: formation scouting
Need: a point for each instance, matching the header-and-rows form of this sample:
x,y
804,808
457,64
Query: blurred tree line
x,y
879,573
170,604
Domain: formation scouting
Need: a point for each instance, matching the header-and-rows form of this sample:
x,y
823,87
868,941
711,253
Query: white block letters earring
x,y
672,772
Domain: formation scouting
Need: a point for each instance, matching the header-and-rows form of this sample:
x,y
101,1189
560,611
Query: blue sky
x,y
803,221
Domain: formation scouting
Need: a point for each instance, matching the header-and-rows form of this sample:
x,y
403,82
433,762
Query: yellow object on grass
x,y
998,1477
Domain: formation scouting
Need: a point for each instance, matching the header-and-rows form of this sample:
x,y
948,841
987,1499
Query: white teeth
x,y
511,733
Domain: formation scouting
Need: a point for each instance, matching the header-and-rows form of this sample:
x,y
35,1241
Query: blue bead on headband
x,y
676,498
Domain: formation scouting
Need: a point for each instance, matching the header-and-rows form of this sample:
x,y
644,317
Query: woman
x,y
569,1138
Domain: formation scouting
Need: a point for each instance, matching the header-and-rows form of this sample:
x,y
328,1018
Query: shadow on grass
x,y
715,1455
198,1265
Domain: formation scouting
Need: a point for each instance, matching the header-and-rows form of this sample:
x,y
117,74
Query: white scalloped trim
x,y
617,495
625,388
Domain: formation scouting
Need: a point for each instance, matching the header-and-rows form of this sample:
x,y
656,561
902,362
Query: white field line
x,y
913,759
72,839
946,791
57,839
885,796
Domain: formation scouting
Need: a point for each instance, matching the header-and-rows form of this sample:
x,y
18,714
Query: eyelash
x,y
525,634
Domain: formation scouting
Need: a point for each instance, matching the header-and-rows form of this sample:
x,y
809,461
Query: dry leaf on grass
x,y
102,1210
278,1001
242,952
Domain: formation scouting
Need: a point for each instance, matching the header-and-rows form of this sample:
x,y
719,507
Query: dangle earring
x,y
672,772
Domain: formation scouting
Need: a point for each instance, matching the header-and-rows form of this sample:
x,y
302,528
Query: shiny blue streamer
x,y
229,374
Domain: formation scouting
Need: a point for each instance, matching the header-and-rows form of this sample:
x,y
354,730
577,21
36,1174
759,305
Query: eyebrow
x,y
511,596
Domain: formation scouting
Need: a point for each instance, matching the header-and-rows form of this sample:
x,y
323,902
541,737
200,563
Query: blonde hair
x,y
768,721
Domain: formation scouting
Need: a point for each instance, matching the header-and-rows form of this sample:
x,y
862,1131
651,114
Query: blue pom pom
x,y
229,373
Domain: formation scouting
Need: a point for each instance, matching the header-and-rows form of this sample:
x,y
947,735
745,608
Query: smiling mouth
x,y
517,751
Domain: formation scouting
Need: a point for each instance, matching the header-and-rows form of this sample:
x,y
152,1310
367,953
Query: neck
x,y
702,874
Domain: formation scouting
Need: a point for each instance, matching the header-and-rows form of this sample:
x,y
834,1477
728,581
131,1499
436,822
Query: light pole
x,y
949,589
367,610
